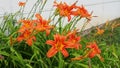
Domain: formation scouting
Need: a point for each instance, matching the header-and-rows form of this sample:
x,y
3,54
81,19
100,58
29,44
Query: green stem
x,y
42,6
75,22
4,23
58,21
22,10
89,63
60,27
32,9
35,8
60,60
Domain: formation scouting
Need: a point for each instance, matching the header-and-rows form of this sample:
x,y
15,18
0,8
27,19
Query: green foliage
x,y
20,55
109,43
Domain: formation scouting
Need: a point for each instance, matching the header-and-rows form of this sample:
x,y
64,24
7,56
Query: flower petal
x,y
21,3
50,42
65,53
69,18
20,38
51,52
56,37
69,45
30,40
47,32
38,16
92,54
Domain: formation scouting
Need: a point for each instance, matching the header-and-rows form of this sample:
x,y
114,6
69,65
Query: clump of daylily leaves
x,y
64,36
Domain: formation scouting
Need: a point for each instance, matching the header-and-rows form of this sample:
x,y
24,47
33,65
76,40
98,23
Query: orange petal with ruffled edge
x,y
50,42
30,40
20,38
47,32
65,53
38,16
51,52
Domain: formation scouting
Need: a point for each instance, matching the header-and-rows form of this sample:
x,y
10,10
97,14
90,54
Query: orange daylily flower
x,y
58,44
26,25
30,27
21,3
99,31
81,11
64,9
74,39
94,50
26,32
42,25
26,36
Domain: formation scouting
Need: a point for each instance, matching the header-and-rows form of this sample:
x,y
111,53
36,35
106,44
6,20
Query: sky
x,y
104,9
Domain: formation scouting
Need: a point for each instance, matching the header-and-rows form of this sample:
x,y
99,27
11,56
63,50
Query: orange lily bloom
x,y
99,31
81,11
26,35
74,39
21,3
64,9
29,28
94,51
42,25
26,31
26,25
58,44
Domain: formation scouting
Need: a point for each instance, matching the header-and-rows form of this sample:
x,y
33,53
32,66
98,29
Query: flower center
x,y
59,46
